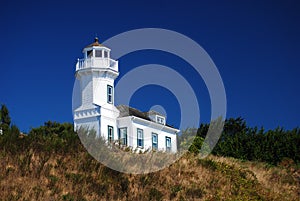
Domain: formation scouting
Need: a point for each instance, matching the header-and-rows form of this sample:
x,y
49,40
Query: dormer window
x,y
98,53
160,120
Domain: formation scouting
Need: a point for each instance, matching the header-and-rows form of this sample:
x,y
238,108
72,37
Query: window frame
x,y
98,51
142,138
110,139
89,53
123,139
168,148
110,94
105,54
158,118
154,144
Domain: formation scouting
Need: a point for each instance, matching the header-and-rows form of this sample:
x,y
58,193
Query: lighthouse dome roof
x,y
95,43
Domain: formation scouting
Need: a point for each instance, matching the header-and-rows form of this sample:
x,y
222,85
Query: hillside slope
x,y
39,173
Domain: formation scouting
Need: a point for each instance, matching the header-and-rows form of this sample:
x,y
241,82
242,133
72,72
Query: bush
x,y
243,142
155,194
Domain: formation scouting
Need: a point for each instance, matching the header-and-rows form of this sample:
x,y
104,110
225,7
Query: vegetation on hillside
x,y
243,142
4,118
50,163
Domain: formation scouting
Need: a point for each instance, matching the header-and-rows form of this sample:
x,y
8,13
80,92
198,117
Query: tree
x,y
4,118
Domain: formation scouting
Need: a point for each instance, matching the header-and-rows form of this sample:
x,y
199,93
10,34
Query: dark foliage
x,y
243,142
237,140
4,118
53,137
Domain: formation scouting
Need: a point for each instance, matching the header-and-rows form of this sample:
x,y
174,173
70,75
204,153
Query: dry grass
x,y
77,176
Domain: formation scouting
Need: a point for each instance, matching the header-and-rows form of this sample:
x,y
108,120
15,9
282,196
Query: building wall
x,y
88,123
100,83
132,124
108,118
94,95
86,86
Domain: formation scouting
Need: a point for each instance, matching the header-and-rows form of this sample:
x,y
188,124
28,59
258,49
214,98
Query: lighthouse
x,y
96,73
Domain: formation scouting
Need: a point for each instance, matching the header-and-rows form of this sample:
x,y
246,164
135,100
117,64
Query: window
x,y
98,53
168,144
105,54
89,53
110,133
123,136
140,138
109,94
160,120
154,141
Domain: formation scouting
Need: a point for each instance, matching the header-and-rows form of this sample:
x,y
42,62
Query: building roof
x,y
130,111
95,43
153,112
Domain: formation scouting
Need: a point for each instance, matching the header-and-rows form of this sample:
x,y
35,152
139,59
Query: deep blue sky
x,y
254,44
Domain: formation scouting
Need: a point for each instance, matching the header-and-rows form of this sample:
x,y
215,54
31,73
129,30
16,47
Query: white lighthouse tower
x,y
96,73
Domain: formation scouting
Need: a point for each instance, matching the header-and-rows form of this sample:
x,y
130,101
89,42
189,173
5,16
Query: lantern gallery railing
x,y
97,63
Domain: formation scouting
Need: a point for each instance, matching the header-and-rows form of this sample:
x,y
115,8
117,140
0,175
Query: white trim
x,y
154,124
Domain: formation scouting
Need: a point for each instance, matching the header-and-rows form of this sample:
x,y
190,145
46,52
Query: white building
x,y
96,73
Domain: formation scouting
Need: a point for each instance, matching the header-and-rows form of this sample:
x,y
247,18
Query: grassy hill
x,y
32,171
50,163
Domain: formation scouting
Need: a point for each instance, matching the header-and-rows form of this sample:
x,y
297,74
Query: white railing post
x,y
77,64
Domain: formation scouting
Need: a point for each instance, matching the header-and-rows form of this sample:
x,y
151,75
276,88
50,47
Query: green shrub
x,y
68,197
174,190
155,194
